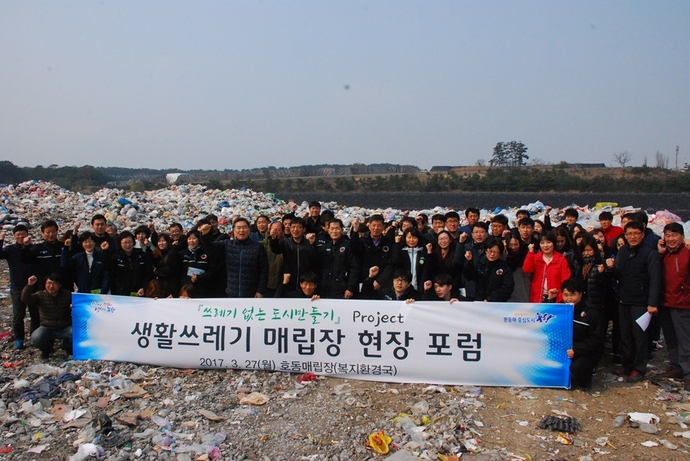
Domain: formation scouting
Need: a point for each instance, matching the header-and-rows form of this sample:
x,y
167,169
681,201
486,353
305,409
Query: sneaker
x,y
671,372
635,376
19,344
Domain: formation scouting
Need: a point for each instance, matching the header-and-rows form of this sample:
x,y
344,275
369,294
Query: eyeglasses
x,y
493,252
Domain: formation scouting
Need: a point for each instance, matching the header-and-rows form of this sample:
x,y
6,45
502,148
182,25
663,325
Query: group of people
x,y
610,274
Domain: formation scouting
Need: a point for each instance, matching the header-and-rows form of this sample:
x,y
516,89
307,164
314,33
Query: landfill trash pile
x,y
34,201
82,410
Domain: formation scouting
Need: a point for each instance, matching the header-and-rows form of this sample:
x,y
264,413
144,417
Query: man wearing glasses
x,y
638,270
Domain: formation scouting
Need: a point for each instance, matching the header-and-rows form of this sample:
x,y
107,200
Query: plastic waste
x,y
411,429
306,377
619,421
668,444
648,418
649,428
420,408
379,442
87,450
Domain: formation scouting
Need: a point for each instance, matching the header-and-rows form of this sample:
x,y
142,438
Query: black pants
x,y
19,314
581,370
633,339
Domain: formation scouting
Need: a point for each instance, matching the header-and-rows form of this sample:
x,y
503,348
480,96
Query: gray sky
x,y
244,84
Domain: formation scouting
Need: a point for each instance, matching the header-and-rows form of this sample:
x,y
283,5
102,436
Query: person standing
x,y
674,312
638,271
19,274
245,261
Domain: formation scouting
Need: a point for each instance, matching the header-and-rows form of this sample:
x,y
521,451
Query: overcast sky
x,y
244,84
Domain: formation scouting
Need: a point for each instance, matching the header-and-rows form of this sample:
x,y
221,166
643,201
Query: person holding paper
x,y
638,271
197,265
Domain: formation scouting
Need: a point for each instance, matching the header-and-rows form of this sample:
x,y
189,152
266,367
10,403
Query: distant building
x,y
441,169
588,165
172,178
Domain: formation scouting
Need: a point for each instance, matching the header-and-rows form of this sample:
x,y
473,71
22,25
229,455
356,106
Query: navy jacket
x,y
246,265
87,279
638,271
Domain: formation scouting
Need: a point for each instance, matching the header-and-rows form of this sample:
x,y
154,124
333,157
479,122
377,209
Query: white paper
x,y
643,320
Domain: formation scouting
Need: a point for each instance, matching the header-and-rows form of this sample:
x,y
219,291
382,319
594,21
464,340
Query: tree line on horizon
x,y
560,177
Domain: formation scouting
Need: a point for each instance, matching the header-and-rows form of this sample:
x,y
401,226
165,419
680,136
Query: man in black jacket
x,y
299,256
339,264
245,261
374,250
638,270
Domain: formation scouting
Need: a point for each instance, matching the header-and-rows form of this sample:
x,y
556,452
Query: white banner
x,y
496,344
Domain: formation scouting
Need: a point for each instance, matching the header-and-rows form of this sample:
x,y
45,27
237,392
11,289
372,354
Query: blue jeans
x,y
43,338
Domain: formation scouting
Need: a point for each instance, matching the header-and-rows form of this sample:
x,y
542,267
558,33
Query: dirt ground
x,y
327,423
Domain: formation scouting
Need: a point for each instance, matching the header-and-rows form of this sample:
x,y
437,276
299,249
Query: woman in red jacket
x,y
549,270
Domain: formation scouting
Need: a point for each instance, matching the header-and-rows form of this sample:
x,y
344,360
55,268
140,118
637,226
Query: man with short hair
x,y
438,224
99,226
179,241
453,225
570,219
299,256
245,260
650,238
399,290
499,226
55,309
339,264
674,312
441,289
477,247
19,274
312,224
472,218
45,255
216,233
374,249
610,231
638,271
525,231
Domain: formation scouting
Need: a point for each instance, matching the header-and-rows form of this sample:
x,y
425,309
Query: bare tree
x,y
661,160
538,161
622,158
480,162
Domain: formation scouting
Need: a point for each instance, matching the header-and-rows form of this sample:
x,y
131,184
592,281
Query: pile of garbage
x,y
34,201
126,411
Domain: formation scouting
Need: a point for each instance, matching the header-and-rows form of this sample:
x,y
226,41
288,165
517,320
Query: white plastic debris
x,y
647,418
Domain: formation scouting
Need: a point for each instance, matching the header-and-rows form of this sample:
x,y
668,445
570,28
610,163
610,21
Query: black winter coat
x,y
493,279
339,268
246,266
